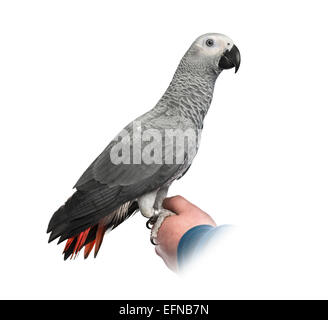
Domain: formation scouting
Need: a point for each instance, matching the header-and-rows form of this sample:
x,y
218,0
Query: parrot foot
x,y
164,213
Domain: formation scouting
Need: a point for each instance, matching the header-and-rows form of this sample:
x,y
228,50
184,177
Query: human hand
x,y
174,227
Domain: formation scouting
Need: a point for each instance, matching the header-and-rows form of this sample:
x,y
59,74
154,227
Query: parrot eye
x,y
209,42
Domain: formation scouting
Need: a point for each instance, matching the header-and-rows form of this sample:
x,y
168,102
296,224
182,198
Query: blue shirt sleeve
x,y
194,240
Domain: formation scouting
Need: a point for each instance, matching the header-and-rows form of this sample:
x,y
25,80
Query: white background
x,y
73,73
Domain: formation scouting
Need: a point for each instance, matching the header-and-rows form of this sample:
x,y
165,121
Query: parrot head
x,y
215,51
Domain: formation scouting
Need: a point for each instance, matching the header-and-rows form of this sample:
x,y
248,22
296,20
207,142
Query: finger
x,y
157,250
176,204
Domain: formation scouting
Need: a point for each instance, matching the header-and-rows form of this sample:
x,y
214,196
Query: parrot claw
x,y
148,224
151,221
153,241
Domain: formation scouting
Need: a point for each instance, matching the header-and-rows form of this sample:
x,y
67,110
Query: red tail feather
x,y
88,248
68,244
80,241
99,237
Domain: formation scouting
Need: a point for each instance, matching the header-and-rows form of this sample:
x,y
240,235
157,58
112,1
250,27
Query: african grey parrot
x,y
110,191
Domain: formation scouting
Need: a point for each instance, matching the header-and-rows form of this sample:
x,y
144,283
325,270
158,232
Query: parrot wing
x,y
105,187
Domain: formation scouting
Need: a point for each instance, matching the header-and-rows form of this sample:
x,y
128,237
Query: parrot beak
x,y
230,59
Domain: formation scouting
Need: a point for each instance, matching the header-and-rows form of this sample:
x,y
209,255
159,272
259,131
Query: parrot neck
x,y
190,91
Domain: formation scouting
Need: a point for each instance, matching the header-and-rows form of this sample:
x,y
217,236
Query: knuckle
x,y
179,198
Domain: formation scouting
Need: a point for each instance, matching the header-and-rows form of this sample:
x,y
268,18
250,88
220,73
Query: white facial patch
x,y
220,43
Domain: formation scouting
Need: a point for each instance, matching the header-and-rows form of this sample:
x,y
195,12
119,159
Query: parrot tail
x,y
88,239
94,230
75,244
